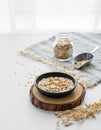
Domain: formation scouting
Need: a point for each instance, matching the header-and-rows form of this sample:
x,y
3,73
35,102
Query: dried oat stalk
x,y
78,113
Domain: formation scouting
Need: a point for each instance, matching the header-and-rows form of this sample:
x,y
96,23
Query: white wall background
x,y
50,15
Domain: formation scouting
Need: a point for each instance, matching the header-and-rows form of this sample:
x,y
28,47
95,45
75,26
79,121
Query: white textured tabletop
x,y
17,74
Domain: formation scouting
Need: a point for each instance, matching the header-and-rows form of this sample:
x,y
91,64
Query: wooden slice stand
x,y
57,104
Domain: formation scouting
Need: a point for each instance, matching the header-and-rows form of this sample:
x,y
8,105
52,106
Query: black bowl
x,y
55,74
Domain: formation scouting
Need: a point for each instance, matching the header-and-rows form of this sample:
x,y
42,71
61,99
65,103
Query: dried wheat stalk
x,y
78,113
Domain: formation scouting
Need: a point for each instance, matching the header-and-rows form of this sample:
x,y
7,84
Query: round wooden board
x,y
57,104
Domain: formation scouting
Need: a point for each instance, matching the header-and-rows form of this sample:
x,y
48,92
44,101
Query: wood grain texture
x,y
57,104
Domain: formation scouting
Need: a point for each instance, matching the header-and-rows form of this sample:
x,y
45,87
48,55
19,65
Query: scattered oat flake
x,y
17,62
15,73
19,84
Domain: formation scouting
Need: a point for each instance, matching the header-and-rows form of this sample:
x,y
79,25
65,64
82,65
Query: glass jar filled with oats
x,y
63,47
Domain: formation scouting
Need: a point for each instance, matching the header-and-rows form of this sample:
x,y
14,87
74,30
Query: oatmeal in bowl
x,y
55,84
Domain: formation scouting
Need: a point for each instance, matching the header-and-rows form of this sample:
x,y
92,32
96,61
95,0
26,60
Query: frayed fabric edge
x,y
87,83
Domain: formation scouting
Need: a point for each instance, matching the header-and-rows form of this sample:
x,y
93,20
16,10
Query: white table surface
x,y
16,111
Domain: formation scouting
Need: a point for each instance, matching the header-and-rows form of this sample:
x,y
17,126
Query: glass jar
x,y
63,47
